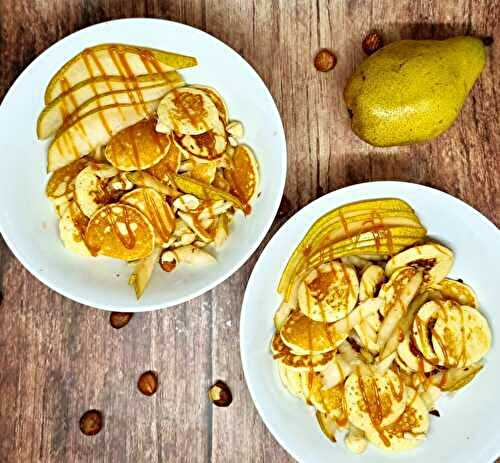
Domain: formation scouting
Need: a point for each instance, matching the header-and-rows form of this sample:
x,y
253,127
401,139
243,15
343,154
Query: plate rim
x,y
244,317
19,255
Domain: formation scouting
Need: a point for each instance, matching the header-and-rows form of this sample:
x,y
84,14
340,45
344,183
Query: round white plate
x,y
468,427
28,222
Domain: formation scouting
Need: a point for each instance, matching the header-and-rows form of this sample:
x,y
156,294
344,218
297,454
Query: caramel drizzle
x,y
127,240
163,229
374,408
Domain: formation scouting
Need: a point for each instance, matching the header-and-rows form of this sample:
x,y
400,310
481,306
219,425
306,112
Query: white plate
x,y
468,428
27,220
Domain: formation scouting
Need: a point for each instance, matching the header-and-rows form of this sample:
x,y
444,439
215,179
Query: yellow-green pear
x,y
412,90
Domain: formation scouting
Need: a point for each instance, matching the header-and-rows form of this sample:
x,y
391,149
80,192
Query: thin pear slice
x,y
114,60
204,191
94,129
403,288
101,91
143,271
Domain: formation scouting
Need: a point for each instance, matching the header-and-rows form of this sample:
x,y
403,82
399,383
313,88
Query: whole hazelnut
x,y
148,383
91,422
325,60
372,42
220,394
120,319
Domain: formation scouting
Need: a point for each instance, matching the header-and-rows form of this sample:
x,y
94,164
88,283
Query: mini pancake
x,y
61,181
451,335
120,231
329,292
458,292
243,174
410,358
168,164
137,147
207,145
188,111
374,399
462,338
218,101
329,401
408,431
433,259
307,362
155,208
90,188
295,381
72,227
304,335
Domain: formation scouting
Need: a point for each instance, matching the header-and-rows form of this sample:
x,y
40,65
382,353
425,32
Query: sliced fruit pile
x,y
371,331
144,167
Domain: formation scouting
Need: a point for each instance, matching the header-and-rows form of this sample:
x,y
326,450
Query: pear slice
x,y
143,271
114,60
397,294
102,91
94,129
433,259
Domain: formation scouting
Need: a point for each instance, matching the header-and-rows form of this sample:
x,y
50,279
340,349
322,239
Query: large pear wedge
x,y
102,91
94,129
114,60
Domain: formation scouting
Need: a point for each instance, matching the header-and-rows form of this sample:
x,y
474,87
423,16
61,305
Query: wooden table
x,y
59,359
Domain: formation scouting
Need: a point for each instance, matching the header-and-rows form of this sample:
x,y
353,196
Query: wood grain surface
x,y
59,359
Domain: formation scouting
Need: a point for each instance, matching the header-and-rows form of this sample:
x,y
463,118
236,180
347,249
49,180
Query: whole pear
x,y
412,90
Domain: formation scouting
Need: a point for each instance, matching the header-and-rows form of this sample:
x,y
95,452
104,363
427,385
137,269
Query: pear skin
x,y
412,91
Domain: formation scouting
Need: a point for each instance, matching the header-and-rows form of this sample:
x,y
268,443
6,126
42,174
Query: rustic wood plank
x,y
57,359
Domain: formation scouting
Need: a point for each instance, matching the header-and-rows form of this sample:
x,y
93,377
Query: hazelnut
x,y
325,60
148,383
372,42
91,422
168,261
220,394
120,319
